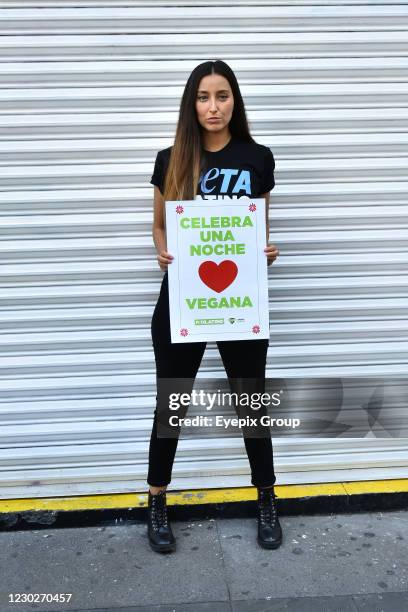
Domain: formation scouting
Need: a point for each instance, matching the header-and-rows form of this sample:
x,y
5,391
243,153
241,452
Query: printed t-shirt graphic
x,y
239,169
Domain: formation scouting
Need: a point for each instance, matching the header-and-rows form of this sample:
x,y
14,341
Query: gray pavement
x,y
326,563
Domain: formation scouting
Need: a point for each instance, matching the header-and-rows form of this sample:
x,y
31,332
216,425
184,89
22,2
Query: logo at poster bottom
x,y
208,321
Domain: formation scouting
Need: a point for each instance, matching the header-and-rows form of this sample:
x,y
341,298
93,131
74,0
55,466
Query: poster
x,y
218,279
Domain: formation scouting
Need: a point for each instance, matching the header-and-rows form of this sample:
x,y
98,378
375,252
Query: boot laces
x,y
267,507
159,510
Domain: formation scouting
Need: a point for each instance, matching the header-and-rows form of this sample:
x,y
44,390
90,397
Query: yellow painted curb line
x,y
377,486
200,496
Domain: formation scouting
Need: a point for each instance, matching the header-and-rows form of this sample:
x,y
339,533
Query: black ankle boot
x,y
159,532
269,529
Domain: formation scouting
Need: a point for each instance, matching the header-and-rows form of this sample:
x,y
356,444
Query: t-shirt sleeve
x,y
268,176
158,172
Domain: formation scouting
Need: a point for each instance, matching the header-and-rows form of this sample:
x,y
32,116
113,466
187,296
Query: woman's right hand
x,y
164,258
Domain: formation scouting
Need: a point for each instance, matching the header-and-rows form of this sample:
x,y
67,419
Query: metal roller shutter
x,y
89,93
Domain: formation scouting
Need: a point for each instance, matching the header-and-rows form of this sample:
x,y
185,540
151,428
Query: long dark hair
x,y
187,153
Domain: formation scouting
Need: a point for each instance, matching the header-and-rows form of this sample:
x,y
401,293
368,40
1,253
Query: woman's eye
x,y
203,98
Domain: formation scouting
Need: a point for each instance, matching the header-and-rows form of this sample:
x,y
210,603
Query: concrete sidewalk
x,y
326,563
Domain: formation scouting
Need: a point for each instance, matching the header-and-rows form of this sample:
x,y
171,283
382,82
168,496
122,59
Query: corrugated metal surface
x,y
89,93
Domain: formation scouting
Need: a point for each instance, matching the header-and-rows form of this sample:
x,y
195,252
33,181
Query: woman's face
x,y
214,101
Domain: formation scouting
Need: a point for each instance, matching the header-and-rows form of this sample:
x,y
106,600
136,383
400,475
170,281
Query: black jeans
x,y
241,358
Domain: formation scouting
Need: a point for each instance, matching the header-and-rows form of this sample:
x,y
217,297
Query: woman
x,y
213,153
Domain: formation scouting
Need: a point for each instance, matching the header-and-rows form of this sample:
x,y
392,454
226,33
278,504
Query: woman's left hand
x,y
271,252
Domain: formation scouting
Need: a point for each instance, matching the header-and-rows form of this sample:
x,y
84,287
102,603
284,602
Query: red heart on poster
x,y
218,276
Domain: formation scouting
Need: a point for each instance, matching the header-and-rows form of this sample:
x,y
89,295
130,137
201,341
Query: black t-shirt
x,y
239,169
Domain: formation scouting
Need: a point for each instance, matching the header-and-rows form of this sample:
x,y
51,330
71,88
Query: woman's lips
x,y
213,120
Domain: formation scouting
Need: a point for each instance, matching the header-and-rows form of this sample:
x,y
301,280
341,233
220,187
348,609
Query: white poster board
x,y
218,279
